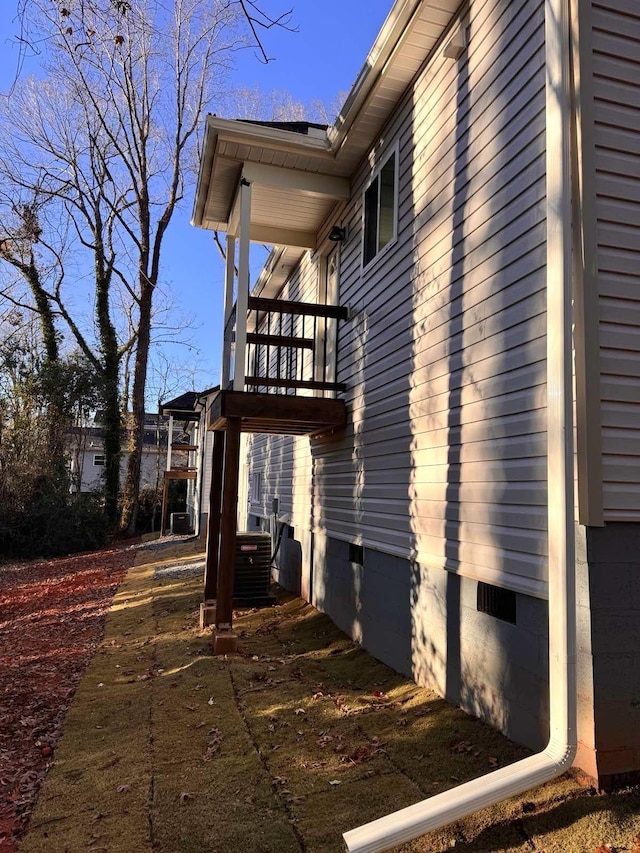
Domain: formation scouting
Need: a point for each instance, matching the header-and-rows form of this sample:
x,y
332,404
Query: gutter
x,y
383,47
438,811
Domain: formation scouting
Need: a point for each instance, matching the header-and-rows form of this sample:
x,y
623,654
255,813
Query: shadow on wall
x,y
443,463
289,572
477,291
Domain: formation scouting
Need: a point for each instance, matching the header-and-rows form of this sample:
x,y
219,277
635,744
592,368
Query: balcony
x,y
183,449
279,368
278,375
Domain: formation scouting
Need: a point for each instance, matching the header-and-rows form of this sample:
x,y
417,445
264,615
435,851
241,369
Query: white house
x,y
403,365
188,458
85,451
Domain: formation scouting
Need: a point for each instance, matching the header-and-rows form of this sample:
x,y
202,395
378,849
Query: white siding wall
x,y
616,85
445,361
444,459
206,469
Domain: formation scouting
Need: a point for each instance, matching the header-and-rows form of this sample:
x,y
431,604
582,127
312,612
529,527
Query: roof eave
x,y
392,29
249,134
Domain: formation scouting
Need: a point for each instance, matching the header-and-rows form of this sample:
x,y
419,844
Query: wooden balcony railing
x,y
289,347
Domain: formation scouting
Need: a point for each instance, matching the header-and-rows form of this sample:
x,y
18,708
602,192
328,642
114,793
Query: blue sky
x,y
317,62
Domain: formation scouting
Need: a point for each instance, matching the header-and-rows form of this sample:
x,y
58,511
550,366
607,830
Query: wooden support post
x,y
224,639
165,507
207,609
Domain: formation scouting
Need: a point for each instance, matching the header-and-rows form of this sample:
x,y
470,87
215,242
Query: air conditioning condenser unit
x,y
252,570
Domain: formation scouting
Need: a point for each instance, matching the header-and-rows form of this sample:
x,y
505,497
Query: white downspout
x,y
416,820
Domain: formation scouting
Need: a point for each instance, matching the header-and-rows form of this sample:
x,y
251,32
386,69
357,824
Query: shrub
x,y
51,522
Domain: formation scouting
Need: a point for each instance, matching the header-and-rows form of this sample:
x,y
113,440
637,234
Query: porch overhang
x,y
281,415
301,172
291,192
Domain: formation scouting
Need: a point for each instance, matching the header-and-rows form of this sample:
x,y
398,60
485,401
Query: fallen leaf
x,y
299,711
122,789
213,743
335,782
184,796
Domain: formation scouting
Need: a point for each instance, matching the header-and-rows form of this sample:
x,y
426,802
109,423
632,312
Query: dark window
x,y
99,459
497,602
356,554
380,218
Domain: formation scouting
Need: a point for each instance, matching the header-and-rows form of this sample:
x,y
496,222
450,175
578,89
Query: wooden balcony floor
x,y
277,414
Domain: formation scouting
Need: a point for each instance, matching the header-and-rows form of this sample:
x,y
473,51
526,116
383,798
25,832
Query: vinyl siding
x,y
444,458
207,463
284,462
616,140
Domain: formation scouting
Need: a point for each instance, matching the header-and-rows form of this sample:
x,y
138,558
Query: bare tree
x,y
109,139
56,161
250,102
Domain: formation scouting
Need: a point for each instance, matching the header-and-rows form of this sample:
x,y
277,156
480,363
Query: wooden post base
x,y
207,614
224,642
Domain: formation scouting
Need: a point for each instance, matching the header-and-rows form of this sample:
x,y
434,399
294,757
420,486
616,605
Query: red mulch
x,y
51,621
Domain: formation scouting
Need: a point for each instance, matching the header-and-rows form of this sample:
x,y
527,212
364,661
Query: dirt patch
x,y
52,618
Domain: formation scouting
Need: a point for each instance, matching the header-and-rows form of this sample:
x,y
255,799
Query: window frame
x,y
99,464
256,488
392,153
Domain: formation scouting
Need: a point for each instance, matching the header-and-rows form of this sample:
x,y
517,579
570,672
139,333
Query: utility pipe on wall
x,y
455,804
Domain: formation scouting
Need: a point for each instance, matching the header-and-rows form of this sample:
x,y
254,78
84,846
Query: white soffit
x,y
409,34
407,37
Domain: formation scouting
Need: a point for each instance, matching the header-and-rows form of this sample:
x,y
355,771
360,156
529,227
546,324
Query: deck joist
x,y
277,414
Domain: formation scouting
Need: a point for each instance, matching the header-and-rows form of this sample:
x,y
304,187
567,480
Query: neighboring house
x,y
85,449
189,455
437,209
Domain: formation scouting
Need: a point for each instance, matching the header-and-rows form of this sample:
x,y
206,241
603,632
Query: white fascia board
x,y
271,137
272,236
308,183
204,175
